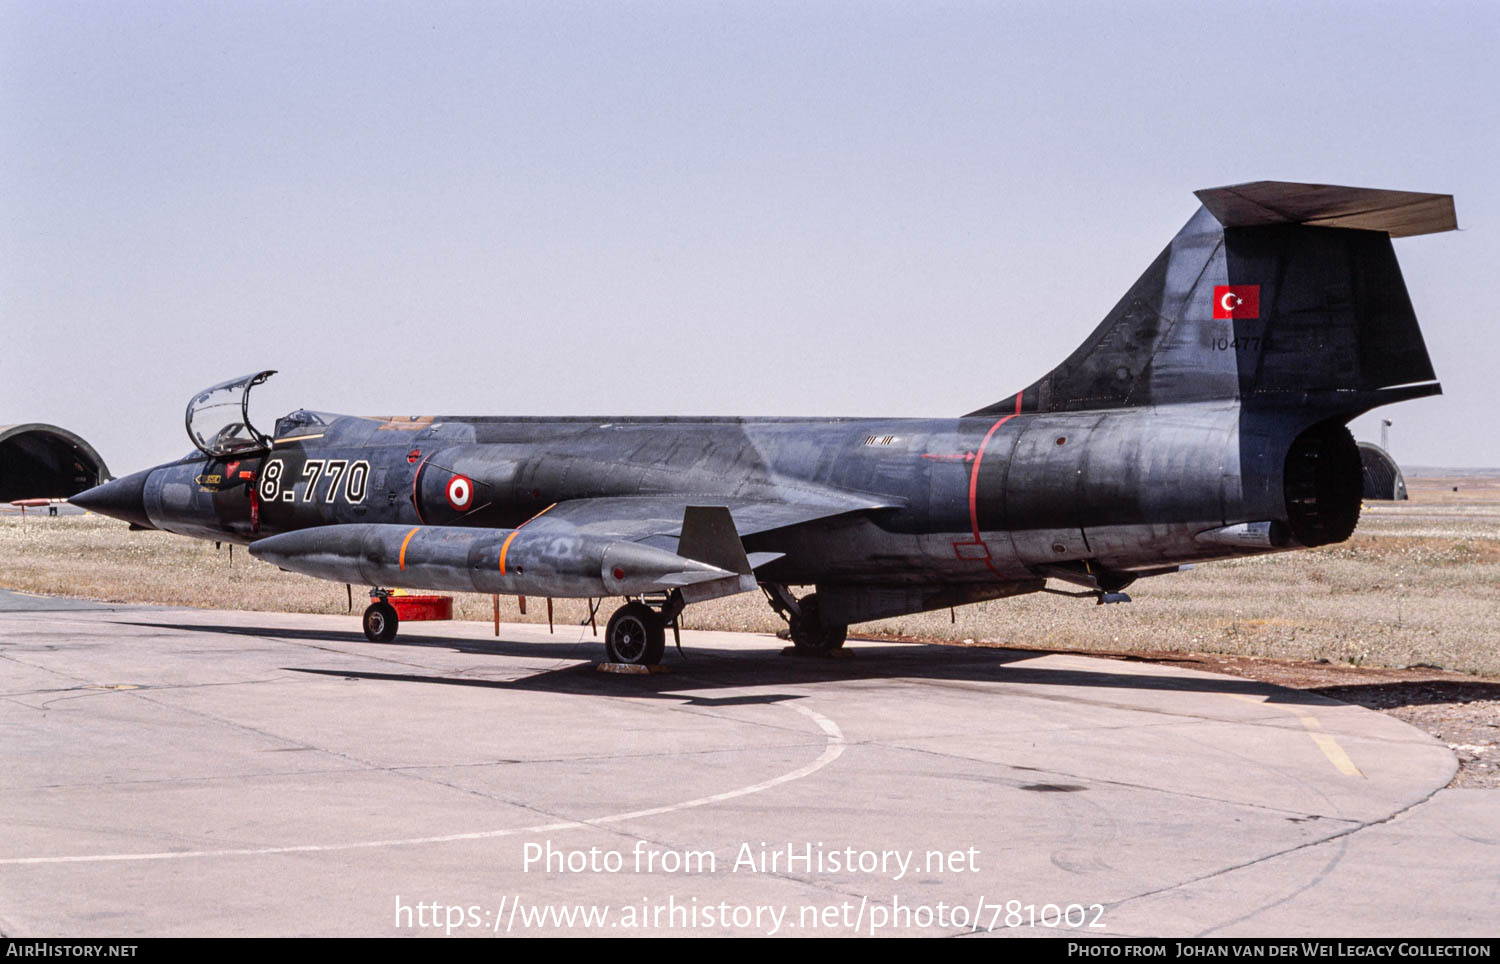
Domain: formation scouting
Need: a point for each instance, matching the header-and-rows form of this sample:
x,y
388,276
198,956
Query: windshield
x,y
218,418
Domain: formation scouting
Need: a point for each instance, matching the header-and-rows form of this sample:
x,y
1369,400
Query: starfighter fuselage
x,y
1203,419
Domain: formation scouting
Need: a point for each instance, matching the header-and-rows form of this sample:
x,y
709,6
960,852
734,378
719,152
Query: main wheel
x,y
635,634
381,622
810,634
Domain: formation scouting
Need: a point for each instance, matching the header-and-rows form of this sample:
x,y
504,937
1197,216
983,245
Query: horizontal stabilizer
x,y
1399,214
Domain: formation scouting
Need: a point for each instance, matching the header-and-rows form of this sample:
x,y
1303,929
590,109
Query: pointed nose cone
x,y
123,499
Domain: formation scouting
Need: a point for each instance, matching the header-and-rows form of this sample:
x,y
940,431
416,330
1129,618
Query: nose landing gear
x,y
381,621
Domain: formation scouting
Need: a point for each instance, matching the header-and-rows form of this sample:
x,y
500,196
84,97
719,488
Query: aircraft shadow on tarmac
x,y
706,667
1390,694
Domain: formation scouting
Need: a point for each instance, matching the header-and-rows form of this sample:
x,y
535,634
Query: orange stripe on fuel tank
x,y
537,516
504,548
404,543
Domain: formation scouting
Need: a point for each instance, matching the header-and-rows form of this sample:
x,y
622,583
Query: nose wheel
x,y
380,622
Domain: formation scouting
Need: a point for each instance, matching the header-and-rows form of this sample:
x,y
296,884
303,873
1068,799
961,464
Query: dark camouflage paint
x,y
1164,424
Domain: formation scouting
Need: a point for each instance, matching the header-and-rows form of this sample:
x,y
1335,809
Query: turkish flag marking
x,y
1236,301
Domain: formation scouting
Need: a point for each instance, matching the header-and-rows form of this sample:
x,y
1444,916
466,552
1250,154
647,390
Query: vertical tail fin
x,y
1273,291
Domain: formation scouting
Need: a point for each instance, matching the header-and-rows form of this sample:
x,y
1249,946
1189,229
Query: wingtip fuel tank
x,y
502,561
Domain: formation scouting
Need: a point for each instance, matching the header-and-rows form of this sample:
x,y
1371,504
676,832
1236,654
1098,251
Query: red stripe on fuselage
x,y
979,460
974,488
416,478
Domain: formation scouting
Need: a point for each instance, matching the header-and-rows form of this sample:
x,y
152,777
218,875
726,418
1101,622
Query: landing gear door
x,y
218,418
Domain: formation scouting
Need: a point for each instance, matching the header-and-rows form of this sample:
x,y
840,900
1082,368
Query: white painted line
x,y
832,750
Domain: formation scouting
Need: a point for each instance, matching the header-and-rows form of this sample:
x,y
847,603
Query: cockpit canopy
x,y
218,418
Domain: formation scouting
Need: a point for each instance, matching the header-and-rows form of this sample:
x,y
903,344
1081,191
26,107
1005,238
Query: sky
x,y
807,208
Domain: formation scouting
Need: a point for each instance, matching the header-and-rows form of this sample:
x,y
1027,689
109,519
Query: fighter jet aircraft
x,y
1203,419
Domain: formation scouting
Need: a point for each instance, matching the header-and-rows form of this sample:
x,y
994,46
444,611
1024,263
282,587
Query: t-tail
x,y
1276,315
1274,294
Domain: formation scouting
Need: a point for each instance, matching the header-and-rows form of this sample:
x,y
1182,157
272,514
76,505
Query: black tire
x,y
635,635
810,634
381,622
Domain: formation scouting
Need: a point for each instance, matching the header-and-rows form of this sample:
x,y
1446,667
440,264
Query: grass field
x,y
1418,584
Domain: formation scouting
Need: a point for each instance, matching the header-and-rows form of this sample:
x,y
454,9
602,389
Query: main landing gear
x,y
809,631
637,632
636,635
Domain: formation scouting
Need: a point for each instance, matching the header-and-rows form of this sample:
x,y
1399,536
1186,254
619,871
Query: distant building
x,y
43,461
1383,480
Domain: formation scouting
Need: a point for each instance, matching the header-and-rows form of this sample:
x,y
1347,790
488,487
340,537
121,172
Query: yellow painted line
x,y
1325,741
297,438
504,548
1329,746
404,543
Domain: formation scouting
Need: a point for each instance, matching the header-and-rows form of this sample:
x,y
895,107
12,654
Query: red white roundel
x,y
460,492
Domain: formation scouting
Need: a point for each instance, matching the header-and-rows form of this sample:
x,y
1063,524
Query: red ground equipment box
x,y
418,608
